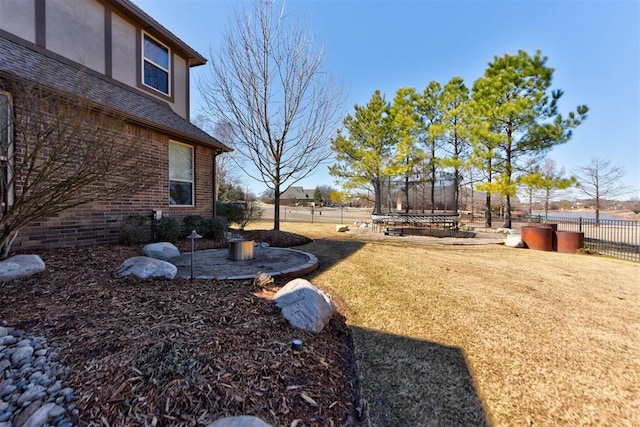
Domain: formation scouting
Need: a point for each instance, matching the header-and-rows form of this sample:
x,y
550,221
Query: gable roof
x,y
297,193
36,64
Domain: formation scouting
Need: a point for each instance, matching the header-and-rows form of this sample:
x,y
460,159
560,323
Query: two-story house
x,y
129,64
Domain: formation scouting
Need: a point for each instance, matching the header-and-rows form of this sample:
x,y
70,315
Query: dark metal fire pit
x,y
241,250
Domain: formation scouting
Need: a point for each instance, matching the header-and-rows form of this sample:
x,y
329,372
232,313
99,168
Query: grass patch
x,y
466,335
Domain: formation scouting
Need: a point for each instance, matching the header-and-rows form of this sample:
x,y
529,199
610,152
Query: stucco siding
x,y
123,37
75,30
180,89
18,17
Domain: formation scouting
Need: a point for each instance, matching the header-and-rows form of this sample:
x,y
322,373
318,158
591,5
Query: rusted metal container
x,y
569,241
539,238
553,226
241,250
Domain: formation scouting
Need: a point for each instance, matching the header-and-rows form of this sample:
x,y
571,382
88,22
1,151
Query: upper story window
x,y
156,68
180,174
6,149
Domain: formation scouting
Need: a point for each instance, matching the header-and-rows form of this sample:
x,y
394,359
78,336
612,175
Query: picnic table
x,y
396,222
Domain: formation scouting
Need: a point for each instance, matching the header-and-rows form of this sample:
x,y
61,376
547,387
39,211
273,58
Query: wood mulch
x,y
181,353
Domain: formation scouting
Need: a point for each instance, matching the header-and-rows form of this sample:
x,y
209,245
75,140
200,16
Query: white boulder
x,y
20,266
146,268
239,421
161,250
304,306
514,241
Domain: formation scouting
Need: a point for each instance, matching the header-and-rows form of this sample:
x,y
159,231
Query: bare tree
x,y
600,180
267,82
58,151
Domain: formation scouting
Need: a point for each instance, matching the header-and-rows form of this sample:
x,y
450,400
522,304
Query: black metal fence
x,y
614,237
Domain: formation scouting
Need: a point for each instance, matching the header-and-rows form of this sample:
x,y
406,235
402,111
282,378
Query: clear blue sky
x,y
594,47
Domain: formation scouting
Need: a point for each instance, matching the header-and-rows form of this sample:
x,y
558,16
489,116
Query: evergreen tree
x,y
405,127
431,115
520,116
364,150
454,128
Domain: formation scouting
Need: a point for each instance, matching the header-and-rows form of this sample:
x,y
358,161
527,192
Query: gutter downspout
x,y
214,182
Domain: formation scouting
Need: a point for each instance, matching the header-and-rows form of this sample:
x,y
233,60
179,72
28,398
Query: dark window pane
x,y
156,77
180,193
156,53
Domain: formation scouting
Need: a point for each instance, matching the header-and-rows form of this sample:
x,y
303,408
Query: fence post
x,y
580,224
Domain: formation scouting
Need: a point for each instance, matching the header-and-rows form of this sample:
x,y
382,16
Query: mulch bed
x,y
184,353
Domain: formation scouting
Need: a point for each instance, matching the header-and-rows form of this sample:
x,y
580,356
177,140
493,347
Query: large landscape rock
x,y
146,268
304,306
341,228
514,241
20,266
240,421
161,250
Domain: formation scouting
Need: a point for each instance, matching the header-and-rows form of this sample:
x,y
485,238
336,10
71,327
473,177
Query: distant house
x,y
297,196
132,65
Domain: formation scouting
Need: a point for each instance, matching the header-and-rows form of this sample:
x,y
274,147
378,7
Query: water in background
x,y
572,214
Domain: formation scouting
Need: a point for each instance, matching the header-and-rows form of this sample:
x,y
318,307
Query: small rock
x,y
55,387
56,411
31,395
503,230
3,331
8,340
239,421
23,417
7,387
40,417
342,228
21,355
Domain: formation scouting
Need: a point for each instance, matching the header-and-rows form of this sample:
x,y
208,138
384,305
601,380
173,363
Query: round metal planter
x,y
569,241
241,250
536,237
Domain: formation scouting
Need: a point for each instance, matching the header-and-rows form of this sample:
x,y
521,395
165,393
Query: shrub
x,y
135,229
167,230
192,222
239,213
214,228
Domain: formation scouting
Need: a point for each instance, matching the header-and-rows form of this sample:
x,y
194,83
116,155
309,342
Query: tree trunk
x,y
6,240
487,211
456,190
377,188
406,192
546,205
276,207
507,213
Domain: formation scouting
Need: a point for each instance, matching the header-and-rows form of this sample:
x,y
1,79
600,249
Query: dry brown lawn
x,y
468,335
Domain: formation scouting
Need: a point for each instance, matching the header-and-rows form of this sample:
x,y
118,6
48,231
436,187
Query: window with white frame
x,y
156,64
6,149
180,174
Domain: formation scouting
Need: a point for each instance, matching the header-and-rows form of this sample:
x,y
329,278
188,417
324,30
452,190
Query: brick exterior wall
x,y
100,222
